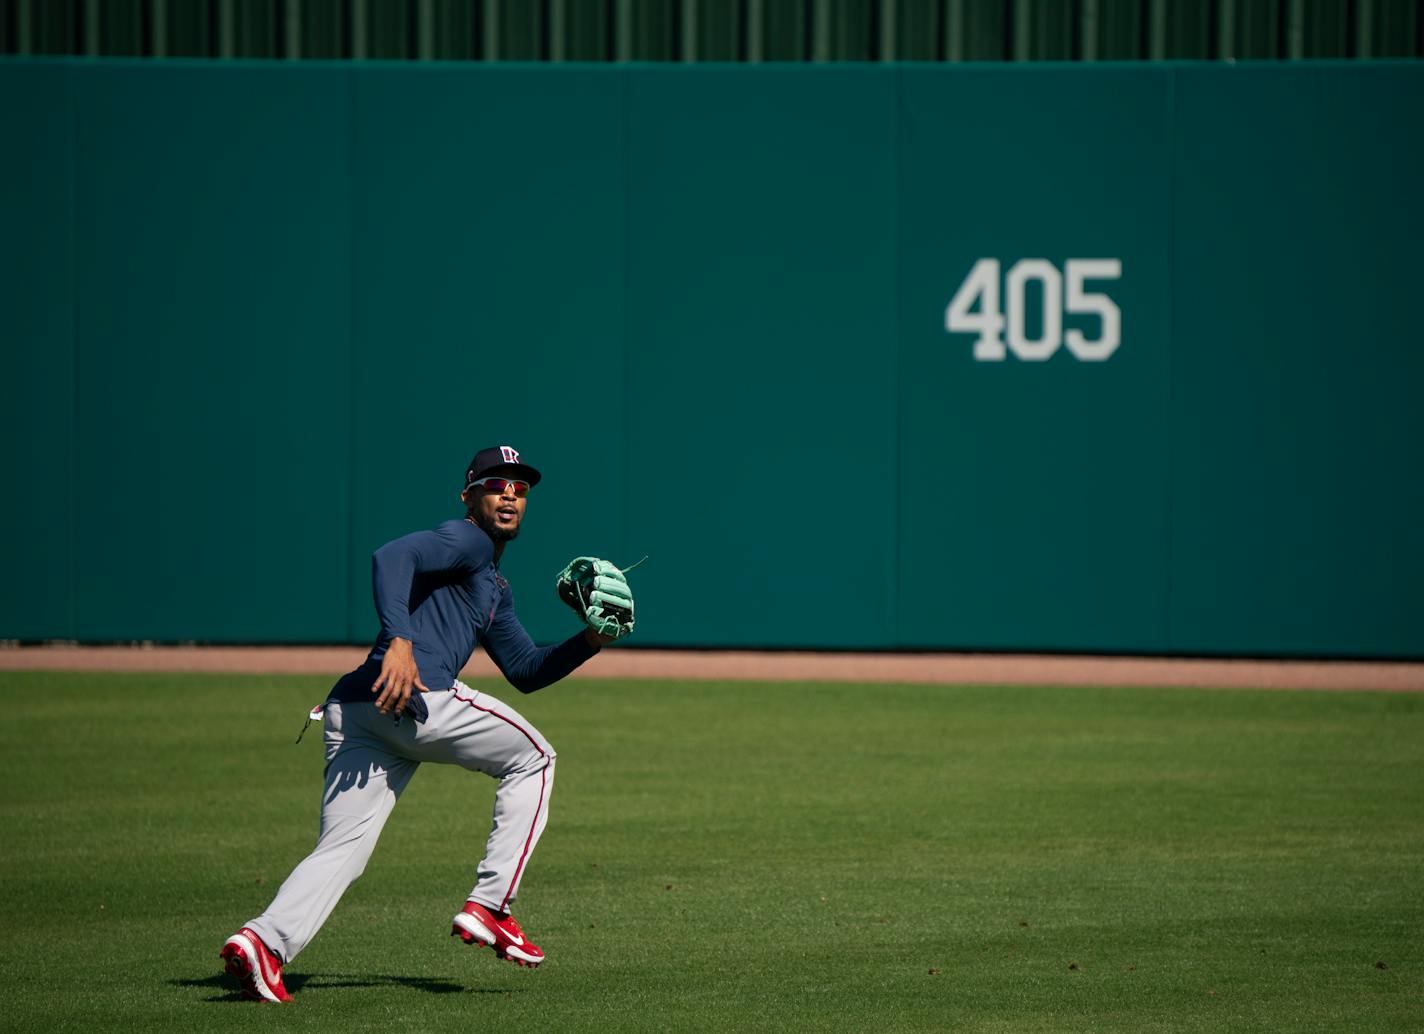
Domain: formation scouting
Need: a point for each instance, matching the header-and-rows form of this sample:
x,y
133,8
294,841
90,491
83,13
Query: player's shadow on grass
x,y
294,982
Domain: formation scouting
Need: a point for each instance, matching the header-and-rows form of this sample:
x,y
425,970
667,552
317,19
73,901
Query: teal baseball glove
x,y
599,594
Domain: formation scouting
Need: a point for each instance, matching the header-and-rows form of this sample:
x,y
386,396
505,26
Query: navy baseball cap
x,y
500,460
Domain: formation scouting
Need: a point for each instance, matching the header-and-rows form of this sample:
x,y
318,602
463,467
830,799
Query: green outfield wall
x,y
1039,357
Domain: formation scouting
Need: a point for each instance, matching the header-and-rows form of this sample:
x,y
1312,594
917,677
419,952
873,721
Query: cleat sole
x,y
236,964
241,968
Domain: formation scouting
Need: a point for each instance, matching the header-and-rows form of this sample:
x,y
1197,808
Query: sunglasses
x,y
499,485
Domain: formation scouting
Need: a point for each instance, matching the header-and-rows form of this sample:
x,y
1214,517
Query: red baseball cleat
x,y
477,925
255,967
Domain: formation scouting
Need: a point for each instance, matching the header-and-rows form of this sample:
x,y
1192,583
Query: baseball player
x,y
439,594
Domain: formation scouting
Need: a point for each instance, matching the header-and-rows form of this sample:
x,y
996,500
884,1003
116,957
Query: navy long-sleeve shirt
x,y
441,590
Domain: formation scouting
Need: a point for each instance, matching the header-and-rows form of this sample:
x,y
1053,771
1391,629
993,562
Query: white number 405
x,y
995,326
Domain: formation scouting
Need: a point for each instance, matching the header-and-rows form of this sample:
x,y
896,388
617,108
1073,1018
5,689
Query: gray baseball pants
x,y
369,761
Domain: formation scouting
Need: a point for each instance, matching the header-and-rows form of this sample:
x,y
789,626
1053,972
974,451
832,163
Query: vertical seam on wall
x,y
1167,630
350,550
72,92
625,174
897,303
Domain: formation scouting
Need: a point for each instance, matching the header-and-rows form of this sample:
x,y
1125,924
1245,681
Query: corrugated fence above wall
x,y
716,30
1048,358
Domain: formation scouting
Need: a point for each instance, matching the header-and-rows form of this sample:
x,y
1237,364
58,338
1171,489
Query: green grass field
x,y
740,857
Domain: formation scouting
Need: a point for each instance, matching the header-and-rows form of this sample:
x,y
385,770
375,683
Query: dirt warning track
x,y
946,668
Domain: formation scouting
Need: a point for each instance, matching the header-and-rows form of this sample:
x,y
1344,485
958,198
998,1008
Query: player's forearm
x,y
534,667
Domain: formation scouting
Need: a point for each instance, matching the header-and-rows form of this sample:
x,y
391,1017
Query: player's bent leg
x,y
498,740
363,782
521,811
494,738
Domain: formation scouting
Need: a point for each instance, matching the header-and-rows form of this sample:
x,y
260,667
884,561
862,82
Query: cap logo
x,y
510,456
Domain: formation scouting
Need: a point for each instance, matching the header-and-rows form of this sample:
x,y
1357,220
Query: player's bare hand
x,y
398,679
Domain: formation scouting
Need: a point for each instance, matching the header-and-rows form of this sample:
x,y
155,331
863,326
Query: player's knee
x,y
539,751
537,758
